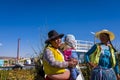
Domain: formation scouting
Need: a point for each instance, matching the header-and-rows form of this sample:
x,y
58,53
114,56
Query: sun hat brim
x,y
54,37
111,35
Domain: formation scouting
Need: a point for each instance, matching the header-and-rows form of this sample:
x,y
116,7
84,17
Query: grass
x,y
32,74
17,74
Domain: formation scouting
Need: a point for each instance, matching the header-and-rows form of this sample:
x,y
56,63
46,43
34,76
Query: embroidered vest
x,y
94,57
58,57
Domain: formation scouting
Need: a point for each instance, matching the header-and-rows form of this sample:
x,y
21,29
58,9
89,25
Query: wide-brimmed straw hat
x,y
111,35
53,35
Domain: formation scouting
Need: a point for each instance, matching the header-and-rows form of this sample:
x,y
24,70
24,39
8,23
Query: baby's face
x,y
64,46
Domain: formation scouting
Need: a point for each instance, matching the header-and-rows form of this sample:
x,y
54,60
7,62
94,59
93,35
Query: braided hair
x,y
110,42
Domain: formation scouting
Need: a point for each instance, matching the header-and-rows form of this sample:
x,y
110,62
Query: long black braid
x,y
112,46
110,42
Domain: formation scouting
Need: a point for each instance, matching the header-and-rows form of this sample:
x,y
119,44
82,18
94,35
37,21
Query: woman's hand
x,y
75,61
118,77
92,65
72,62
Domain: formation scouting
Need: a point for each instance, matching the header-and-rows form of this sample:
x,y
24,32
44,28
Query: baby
x,y
69,52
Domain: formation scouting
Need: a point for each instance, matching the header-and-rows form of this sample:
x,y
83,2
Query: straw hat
x,y
111,35
53,35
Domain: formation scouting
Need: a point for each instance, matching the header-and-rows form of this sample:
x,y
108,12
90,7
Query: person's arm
x,y
49,57
87,58
116,68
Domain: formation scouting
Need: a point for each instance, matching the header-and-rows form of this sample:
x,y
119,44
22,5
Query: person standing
x,y
101,57
53,60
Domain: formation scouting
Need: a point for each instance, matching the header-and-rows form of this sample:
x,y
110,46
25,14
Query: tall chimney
x,y
18,47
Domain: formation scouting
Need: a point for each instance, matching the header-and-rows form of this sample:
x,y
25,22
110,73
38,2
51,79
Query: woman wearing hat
x,y
53,60
102,59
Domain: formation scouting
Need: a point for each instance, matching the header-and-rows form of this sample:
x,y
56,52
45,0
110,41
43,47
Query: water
x,y
24,67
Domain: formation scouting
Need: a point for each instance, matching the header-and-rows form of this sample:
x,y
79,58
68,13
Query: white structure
x,y
28,61
82,47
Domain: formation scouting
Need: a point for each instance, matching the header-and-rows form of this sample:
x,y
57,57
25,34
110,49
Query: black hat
x,y
52,35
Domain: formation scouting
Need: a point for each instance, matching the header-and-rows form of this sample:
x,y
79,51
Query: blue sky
x,y
29,19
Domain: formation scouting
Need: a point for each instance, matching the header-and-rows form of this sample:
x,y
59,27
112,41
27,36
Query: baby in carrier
x,y
69,52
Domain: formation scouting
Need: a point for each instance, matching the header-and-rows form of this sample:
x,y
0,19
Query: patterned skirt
x,y
103,74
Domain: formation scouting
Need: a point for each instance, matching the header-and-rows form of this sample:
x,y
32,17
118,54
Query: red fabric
x,y
47,78
67,54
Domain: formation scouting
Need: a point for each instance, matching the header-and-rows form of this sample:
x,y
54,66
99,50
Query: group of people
x,y
60,59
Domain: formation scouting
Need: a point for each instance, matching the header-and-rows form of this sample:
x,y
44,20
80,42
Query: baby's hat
x,y
70,40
